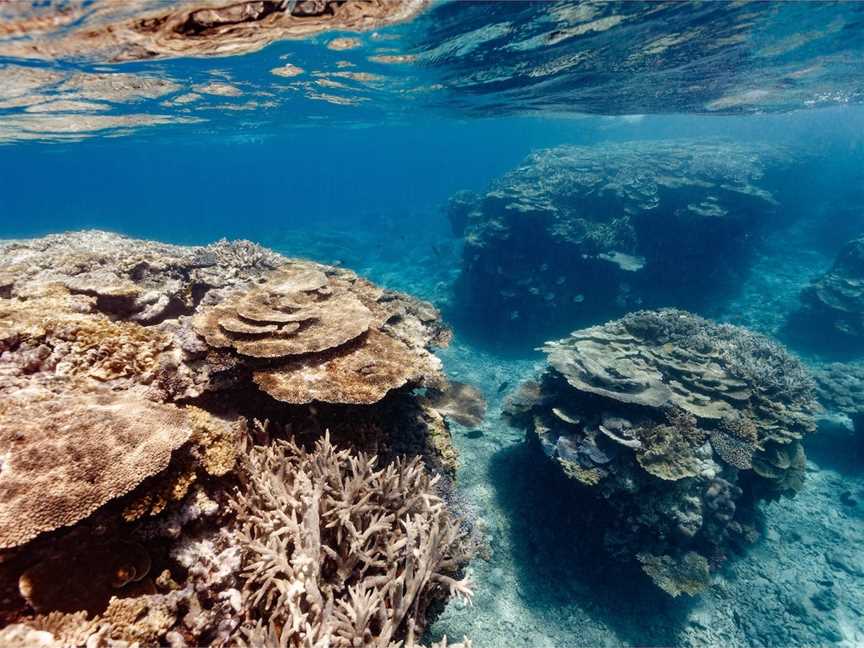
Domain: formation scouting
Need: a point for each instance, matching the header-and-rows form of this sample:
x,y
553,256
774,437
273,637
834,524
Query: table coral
x,y
327,338
67,452
679,426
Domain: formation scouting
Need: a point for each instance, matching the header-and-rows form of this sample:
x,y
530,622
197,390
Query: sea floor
x,y
542,584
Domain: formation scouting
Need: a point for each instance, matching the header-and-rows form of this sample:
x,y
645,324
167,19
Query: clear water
x,y
359,172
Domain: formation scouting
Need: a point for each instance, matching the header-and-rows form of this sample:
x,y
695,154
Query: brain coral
x,y
679,426
66,452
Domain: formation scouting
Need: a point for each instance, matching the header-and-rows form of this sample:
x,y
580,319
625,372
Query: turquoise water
x,y
360,173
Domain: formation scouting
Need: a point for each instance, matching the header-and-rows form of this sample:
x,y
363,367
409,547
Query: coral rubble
x,y
579,230
678,426
138,485
831,316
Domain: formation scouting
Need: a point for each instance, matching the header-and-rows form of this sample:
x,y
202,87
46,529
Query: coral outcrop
x,y
679,427
136,474
831,317
578,232
840,391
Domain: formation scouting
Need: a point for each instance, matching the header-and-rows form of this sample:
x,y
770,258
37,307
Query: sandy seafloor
x,y
541,586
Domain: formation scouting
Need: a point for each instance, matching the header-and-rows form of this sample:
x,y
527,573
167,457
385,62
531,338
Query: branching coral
x,y
338,550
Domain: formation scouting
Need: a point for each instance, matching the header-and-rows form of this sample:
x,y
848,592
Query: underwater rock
x,y
831,317
679,426
579,232
136,381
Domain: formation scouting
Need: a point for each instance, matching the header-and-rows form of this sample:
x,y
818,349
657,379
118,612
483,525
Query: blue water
x,y
367,186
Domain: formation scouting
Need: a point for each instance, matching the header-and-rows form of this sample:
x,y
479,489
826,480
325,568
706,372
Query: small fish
x,y
503,387
560,280
514,315
578,299
474,434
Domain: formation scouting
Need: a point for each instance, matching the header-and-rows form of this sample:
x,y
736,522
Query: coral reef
x,y
132,375
679,427
577,233
831,316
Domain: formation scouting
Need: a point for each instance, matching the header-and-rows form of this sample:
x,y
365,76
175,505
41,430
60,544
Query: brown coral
x,y
329,339
363,374
99,349
460,402
66,453
274,321
689,575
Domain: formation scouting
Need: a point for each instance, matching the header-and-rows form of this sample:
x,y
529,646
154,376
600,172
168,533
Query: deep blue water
x,y
367,186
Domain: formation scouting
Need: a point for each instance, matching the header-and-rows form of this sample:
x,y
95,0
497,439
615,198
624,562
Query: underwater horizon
x,y
400,323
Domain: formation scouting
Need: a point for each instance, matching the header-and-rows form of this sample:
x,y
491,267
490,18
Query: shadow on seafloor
x,y
560,560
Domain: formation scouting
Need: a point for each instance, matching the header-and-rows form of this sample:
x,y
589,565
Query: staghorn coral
x,y
679,427
338,550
